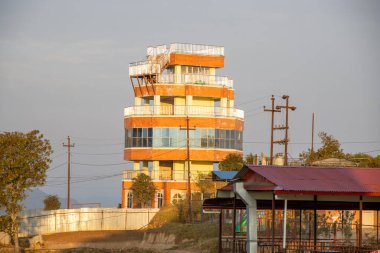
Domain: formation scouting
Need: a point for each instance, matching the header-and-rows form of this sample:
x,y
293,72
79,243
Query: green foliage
x,y
364,160
232,162
330,149
24,160
143,189
250,159
52,202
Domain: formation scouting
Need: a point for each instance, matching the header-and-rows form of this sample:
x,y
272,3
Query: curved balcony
x,y
196,79
183,110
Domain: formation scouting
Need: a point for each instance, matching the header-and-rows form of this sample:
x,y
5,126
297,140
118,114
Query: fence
x,y
33,222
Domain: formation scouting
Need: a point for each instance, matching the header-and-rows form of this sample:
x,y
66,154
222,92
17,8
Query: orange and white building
x,y
174,86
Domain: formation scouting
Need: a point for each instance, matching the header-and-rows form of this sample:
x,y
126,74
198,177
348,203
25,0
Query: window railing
x,y
183,110
196,79
167,174
187,49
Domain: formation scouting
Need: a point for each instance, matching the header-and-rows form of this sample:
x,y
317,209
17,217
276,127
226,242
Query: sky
x,y
64,71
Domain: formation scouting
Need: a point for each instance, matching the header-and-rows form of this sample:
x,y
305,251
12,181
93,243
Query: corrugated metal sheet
x,y
224,175
320,179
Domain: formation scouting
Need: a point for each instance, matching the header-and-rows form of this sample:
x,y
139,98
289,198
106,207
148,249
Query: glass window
x,y
160,199
130,200
176,198
144,132
150,134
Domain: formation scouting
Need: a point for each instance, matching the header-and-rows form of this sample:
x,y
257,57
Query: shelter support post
x,y
252,216
377,227
284,235
360,220
300,227
315,222
273,219
220,230
234,227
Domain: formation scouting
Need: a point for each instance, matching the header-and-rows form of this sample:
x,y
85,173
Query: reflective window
x,y
130,200
160,199
176,137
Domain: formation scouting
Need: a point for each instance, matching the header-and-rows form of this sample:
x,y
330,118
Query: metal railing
x,y
183,110
196,79
144,67
157,174
186,48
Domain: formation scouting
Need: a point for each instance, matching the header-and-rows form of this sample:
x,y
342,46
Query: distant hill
x,y
35,199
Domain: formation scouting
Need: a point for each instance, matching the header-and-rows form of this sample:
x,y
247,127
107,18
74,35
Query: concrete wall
x,y
37,221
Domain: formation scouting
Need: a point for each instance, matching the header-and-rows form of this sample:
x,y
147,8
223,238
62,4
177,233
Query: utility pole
x,y
312,140
285,141
272,110
188,166
68,145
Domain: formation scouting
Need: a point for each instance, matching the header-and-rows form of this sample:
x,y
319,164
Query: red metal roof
x,y
318,179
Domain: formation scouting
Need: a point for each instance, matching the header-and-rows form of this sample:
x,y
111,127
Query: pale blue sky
x,y
64,71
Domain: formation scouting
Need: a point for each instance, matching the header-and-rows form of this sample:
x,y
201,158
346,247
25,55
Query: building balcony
x,y
183,110
168,175
144,68
195,79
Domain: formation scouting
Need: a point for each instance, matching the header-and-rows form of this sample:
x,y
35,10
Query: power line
x,y
114,153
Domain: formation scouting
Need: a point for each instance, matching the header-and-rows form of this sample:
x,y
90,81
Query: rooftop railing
x,y
183,110
144,67
186,48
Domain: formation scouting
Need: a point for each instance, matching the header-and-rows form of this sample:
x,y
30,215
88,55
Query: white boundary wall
x,y
37,221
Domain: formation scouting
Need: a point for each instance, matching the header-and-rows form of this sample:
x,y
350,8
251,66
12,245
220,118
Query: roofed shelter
x,y
297,188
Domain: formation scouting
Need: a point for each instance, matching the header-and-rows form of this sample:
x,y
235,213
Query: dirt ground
x,y
102,240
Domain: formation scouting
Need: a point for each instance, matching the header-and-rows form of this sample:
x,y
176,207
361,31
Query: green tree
x,y
330,149
364,160
24,160
52,202
143,189
250,159
232,162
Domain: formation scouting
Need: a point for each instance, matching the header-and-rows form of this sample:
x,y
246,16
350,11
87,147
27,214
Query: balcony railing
x,y
144,67
204,111
167,174
186,49
196,79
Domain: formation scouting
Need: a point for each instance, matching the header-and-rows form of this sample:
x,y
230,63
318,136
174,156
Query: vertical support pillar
x,y
377,228
220,231
234,227
300,227
315,222
189,103
223,106
273,219
284,232
252,216
360,220
156,104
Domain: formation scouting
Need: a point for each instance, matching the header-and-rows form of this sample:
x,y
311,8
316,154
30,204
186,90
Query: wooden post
x,y
220,230
300,232
273,218
234,226
315,222
360,220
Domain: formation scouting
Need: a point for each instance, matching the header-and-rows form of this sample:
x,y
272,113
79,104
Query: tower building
x,y
182,111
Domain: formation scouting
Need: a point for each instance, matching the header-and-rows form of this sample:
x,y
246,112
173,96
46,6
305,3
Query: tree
x,y
52,202
232,162
364,160
143,189
250,159
330,149
24,160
